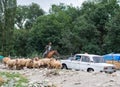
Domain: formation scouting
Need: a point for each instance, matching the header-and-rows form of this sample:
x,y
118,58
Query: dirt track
x,y
69,78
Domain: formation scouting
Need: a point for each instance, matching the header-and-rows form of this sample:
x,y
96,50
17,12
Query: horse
x,y
52,53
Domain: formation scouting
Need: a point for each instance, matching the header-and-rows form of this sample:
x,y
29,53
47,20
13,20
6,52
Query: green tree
x,y
7,14
55,26
112,39
21,37
97,14
90,28
27,15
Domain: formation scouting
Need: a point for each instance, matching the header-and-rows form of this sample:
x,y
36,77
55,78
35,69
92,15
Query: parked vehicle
x,y
88,62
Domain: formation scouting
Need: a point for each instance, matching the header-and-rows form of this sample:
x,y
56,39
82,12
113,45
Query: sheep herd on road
x,y
36,62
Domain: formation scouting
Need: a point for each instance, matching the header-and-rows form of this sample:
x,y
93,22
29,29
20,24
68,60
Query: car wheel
x,y
90,70
64,66
108,72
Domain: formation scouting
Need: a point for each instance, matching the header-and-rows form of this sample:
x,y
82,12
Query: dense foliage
x,y
7,15
93,28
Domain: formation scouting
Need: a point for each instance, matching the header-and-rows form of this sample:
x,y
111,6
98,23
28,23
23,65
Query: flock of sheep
x,y
31,63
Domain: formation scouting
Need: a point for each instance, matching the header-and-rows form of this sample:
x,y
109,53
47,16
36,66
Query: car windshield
x,y
98,59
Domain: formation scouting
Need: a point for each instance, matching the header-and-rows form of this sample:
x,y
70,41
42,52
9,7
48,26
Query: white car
x,y
88,62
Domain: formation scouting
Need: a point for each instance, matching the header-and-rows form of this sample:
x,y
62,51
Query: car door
x,y
85,63
69,62
75,63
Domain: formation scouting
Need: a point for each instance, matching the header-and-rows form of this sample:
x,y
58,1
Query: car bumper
x,y
109,71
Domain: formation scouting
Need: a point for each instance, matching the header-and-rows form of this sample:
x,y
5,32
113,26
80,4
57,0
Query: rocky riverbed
x,y
68,78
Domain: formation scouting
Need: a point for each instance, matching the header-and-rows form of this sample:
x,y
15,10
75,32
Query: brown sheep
x,y
20,63
36,63
29,63
5,59
1,81
55,64
36,58
58,65
45,63
11,63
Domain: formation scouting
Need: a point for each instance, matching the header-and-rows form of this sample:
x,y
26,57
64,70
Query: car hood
x,y
65,60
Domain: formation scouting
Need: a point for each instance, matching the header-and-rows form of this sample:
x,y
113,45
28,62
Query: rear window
x,y
98,59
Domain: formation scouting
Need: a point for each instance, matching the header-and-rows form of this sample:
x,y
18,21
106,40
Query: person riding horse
x,y
52,54
47,49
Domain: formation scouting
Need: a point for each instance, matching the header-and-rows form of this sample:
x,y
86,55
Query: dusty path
x,y
69,78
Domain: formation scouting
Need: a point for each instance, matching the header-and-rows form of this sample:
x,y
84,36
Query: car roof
x,y
86,54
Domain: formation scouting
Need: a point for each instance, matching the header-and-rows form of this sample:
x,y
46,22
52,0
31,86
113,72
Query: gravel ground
x,y
69,78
